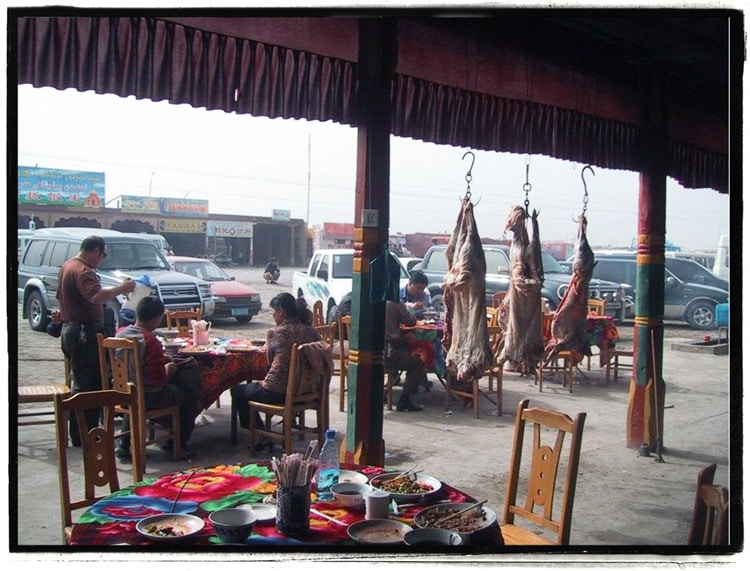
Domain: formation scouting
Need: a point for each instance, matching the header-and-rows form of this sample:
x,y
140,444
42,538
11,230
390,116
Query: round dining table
x,y
112,520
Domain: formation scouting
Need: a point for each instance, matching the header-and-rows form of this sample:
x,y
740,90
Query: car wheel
x,y
36,310
243,318
437,303
701,315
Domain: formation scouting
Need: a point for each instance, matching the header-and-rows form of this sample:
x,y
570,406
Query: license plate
x,y
240,311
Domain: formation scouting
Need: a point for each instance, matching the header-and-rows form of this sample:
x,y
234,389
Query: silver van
x,y
128,256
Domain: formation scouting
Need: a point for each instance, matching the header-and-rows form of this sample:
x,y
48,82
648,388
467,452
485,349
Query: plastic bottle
x,y
328,466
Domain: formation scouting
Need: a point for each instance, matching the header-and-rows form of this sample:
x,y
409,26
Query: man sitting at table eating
x,y
414,295
398,357
165,383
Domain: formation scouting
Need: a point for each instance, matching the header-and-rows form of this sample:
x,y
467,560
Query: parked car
x,y
128,256
410,264
435,265
691,292
233,299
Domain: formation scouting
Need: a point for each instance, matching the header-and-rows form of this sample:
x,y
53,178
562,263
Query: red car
x,y
233,299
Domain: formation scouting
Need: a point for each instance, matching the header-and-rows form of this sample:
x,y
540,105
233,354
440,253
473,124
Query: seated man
x,y
414,295
165,384
272,272
398,357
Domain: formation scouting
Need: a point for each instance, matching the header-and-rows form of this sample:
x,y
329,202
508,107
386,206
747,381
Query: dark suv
x,y
127,256
434,265
691,292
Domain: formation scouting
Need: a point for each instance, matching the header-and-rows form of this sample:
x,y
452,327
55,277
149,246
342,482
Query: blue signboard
x,y
60,187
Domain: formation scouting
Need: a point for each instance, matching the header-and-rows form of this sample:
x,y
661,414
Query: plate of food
x,y
378,531
239,348
352,476
195,350
409,487
465,524
169,527
266,512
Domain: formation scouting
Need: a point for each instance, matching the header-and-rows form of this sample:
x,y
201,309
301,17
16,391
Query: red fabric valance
x,y
163,60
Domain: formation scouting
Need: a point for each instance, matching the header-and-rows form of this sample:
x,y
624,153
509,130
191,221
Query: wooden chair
x,y
498,297
613,362
542,478
345,328
492,313
40,394
180,320
317,311
303,393
710,523
124,359
596,307
495,397
97,445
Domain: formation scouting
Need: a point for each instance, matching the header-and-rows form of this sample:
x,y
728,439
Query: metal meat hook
x,y
468,174
585,188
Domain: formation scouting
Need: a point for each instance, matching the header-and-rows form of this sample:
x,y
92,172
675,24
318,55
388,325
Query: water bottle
x,y
328,466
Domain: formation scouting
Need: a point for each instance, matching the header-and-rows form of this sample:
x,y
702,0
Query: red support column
x,y
364,435
645,414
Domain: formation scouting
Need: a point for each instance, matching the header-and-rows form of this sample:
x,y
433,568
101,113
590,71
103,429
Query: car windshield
x,y
550,264
128,256
207,271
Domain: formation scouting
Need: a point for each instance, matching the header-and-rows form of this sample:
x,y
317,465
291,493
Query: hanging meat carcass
x,y
466,340
524,345
568,330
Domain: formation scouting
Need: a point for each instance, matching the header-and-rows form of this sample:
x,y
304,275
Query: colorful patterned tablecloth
x,y
600,331
427,346
113,519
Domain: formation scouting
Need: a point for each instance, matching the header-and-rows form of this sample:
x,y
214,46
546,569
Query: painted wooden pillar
x,y
645,415
364,427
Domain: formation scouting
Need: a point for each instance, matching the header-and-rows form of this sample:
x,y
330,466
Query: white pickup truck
x,y
329,278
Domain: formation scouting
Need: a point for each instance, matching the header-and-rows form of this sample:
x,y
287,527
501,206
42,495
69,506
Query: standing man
x,y
80,297
414,295
272,272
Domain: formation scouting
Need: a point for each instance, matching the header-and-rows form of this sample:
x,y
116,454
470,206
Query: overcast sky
x,y
252,165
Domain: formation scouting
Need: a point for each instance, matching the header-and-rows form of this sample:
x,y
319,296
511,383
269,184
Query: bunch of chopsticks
x,y
294,469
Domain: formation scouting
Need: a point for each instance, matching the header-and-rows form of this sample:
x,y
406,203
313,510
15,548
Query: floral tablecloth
x,y
600,331
427,346
112,520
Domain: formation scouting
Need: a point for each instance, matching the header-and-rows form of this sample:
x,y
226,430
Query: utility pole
x,y
149,183
309,168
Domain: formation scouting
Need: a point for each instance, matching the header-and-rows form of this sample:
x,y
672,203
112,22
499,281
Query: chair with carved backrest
x,y
303,392
180,320
710,522
97,445
317,312
538,510
118,354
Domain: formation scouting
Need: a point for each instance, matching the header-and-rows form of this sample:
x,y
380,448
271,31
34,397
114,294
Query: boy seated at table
x,y
398,357
165,384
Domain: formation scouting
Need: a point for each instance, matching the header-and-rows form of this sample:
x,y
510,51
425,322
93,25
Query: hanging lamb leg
x,y
523,335
569,324
469,350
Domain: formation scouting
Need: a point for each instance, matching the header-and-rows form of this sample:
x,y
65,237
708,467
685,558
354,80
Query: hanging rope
x,y
468,174
585,188
527,186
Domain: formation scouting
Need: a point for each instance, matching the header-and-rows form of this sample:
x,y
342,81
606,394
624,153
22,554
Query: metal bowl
x,y
430,484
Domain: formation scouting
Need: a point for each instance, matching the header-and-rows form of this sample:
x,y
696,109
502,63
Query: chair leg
x,y
475,394
342,389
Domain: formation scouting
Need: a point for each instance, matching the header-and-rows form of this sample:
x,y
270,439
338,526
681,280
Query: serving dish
x,y
195,350
378,531
464,524
169,527
352,476
241,348
266,512
428,484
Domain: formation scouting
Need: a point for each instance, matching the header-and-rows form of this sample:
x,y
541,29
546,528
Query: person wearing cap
x,y
81,298
272,272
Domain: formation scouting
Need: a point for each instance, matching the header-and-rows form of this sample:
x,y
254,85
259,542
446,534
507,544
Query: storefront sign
x,y
281,215
182,226
187,207
230,229
60,187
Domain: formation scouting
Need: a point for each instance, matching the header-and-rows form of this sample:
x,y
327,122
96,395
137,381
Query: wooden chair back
x,y
710,523
97,445
303,392
345,329
498,297
597,307
180,320
543,476
328,334
121,357
317,312
492,313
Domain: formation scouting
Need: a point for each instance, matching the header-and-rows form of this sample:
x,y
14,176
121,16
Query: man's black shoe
x,y
407,406
122,452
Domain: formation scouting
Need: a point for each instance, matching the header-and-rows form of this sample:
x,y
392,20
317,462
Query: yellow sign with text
x,y
182,226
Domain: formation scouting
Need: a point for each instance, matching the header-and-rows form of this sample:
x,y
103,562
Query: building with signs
x,y
62,198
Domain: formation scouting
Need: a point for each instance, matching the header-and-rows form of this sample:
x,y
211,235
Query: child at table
x,y
398,357
166,384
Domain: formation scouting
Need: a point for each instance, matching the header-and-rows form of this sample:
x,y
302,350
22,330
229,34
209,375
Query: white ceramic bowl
x,y
350,494
431,536
233,525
